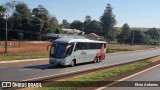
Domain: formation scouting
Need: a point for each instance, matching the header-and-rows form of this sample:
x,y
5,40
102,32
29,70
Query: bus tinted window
x,y
104,45
79,46
86,45
91,46
69,52
100,46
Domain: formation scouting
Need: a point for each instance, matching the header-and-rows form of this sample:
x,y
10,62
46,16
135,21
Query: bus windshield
x,y
58,50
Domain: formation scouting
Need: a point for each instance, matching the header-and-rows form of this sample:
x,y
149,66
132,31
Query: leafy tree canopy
x,y
108,20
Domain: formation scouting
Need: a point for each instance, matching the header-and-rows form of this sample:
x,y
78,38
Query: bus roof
x,y
69,40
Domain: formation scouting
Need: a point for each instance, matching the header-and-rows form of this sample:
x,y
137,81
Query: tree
x,y
19,16
154,33
113,34
11,12
23,10
2,10
94,27
125,33
65,24
41,12
146,38
108,21
53,24
57,31
88,18
22,20
76,25
11,6
43,15
2,22
86,24
24,15
137,36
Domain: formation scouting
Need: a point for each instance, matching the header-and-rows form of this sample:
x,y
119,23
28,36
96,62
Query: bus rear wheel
x,y
97,60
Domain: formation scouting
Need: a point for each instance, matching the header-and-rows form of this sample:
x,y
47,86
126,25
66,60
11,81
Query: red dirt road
x,y
33,46
24,46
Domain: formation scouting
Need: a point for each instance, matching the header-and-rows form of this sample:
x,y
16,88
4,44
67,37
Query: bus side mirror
x,y
48,46
66,49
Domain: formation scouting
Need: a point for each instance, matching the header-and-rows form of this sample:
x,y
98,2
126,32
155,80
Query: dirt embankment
x,y
155,59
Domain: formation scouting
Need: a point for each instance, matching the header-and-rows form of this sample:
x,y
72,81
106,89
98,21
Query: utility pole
x,y
40,31
133,37
6,36
159,39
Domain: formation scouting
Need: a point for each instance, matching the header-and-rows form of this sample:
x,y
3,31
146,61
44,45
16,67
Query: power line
x,y
16,30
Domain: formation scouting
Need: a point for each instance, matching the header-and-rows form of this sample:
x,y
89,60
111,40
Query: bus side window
x,y
91,45
86,45
100,45
69,52
95,46
79,46
76,47
104,45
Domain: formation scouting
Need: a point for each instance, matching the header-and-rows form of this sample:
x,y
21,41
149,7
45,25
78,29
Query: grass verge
x,y
27,55
93,78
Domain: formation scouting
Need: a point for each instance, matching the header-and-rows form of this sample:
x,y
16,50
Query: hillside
x,y
138,28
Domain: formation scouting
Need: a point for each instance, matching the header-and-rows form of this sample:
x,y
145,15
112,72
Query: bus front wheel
x,y
73,63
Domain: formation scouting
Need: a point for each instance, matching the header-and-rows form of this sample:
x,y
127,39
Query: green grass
x,y
92,78
27,55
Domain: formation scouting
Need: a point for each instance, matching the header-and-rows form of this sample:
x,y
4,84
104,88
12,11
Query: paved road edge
x,y
25,60
39,59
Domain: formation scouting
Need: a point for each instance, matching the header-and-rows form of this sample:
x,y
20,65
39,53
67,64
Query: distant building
x,y
72,31
53,36
92,36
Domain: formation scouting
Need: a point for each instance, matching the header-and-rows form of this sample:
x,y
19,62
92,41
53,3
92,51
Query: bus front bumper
x,y
55,61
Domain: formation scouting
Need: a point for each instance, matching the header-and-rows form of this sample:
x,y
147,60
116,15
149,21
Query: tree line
x,y
21,19
28,23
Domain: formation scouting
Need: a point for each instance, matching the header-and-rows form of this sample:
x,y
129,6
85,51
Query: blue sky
x,y
137,13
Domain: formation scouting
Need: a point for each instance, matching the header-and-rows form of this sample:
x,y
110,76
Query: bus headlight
x,y
62,62
67,59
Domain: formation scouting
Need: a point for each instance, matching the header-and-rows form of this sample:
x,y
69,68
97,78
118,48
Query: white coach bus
x,y
69,51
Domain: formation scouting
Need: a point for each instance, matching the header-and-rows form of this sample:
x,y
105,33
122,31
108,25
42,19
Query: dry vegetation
x,y
155,59
129,47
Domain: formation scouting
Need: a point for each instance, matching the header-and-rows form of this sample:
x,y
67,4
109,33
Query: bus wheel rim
x,y
72,63
97,60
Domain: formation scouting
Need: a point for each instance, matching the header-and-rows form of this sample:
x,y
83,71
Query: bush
x,y
57,31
